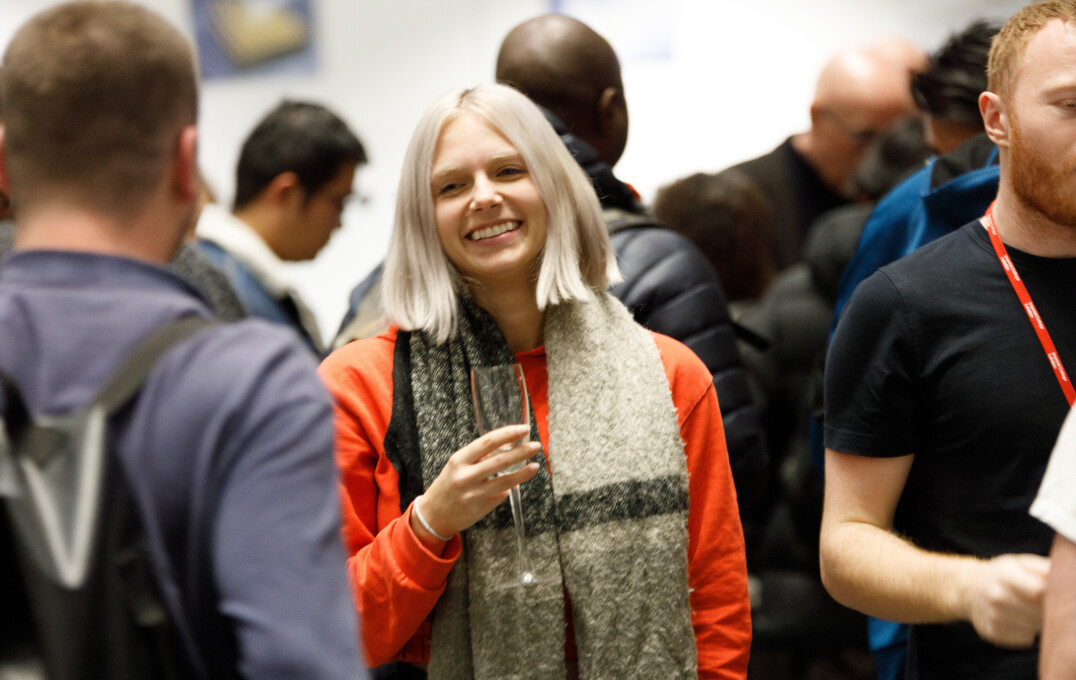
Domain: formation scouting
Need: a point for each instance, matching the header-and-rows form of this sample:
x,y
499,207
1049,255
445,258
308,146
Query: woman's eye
x,y
509,171
447,188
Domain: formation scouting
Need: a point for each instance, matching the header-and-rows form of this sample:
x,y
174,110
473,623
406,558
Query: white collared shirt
x,y
221,227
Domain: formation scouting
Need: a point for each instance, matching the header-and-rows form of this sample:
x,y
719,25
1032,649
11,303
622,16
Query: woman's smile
x,y
484,233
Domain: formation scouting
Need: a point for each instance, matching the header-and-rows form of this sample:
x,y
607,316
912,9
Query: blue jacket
x,y
947,193
255,298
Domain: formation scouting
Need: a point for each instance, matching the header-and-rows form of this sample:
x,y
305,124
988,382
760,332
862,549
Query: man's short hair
x,y
95,95
949,88
1009,45
301,137
420,283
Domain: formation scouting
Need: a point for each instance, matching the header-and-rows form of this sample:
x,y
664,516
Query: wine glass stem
x,y
525,569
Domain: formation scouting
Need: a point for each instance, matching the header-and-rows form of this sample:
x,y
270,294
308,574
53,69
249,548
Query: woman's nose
x,y
485,194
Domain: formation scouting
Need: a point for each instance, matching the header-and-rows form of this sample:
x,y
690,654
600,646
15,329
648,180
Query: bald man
x,y
669,286
860,93
567,68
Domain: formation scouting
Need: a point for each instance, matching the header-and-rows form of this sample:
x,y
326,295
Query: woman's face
x,y
490,217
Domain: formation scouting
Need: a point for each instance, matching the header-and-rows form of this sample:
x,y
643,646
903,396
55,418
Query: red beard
x,y
1045,187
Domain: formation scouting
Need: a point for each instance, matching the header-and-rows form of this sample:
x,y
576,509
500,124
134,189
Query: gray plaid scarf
x,y
613,530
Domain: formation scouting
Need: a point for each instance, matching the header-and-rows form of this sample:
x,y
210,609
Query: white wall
x,y
708,82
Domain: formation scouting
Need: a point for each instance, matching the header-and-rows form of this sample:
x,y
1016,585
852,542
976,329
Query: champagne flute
x,y
500,399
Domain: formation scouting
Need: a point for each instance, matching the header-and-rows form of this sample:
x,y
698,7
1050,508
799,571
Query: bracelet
x,y
426,525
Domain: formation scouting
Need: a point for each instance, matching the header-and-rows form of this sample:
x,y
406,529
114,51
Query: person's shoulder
x,y
937,260
915,282
683,368
360,360
241,372
642,247
651,238
254,336
762,164
228,355
905,198
977,153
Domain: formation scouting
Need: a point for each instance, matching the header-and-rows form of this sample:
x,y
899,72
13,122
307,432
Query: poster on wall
x,y
253,37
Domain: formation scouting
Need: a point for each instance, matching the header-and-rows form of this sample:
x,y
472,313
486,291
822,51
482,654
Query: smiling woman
x,y
490,217
469,144
500,256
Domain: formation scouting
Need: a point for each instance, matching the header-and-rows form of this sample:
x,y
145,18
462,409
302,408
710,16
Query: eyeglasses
x,y
861,137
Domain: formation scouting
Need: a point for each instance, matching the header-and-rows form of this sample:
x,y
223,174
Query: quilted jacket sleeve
x,y
671,289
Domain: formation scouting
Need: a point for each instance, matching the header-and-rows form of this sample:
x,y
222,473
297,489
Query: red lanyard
x,y
1029,307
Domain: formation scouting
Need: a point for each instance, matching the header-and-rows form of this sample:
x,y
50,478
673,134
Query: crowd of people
x,y
804,417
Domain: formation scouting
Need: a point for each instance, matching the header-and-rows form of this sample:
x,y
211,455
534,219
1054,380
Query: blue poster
x,y
253,37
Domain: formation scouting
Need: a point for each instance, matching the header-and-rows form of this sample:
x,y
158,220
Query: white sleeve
x,y
1055,503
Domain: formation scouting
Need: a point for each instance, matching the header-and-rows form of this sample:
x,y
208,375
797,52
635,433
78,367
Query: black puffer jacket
x,y
670,288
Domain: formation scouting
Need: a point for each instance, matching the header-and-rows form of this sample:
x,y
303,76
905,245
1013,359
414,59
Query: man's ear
x,y
611,109
816,114
185,165
283,188
996,120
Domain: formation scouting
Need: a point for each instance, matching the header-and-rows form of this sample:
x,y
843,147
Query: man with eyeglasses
x,y
860,93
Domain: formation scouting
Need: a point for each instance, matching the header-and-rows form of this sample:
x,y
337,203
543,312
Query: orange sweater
x,y
397,581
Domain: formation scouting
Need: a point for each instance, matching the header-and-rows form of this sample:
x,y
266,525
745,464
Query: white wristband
x,y
426,525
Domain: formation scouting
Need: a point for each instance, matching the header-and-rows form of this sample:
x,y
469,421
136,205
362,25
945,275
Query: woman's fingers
x,y
490,442
499,462
474,481
501,483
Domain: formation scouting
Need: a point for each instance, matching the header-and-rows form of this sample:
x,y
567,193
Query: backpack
x,y
79,594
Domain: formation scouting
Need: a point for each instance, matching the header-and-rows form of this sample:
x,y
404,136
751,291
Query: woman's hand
x,y
467,488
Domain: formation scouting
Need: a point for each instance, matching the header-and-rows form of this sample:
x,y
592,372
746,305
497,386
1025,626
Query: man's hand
x,y
1004,599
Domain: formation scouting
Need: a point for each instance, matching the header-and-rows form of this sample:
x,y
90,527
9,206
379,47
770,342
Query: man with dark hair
x,y
947,91
295,172
574,75
228,447
946,387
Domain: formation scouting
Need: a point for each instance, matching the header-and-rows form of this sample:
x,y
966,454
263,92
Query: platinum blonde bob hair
x,y
420,285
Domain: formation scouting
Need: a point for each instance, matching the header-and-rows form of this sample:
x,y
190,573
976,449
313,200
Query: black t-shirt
x,y
935,356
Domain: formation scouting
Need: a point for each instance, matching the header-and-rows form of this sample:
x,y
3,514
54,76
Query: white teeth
x,y
495,230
